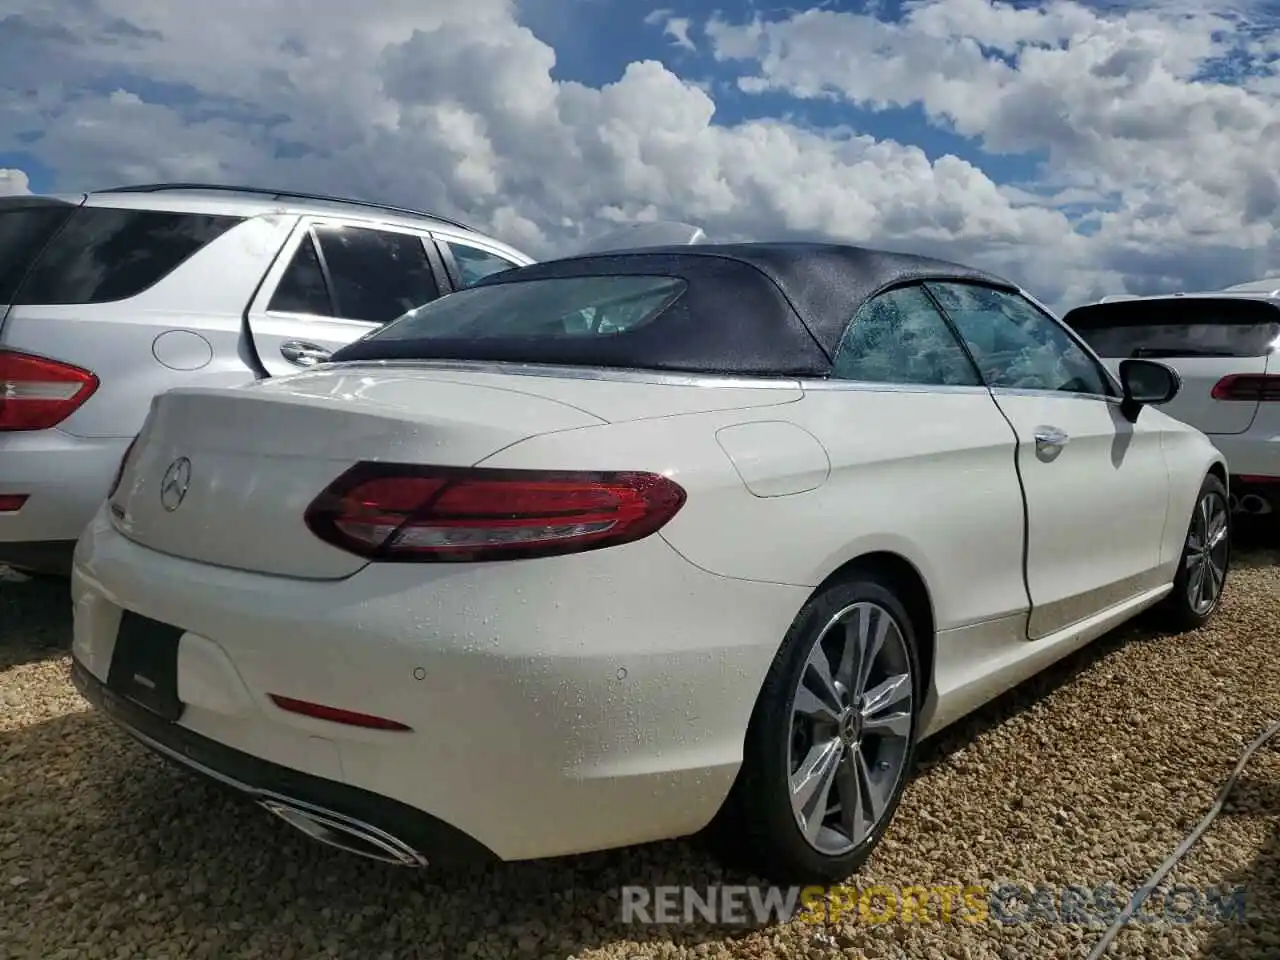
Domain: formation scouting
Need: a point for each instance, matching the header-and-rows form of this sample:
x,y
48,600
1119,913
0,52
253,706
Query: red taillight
x,y
12,502
335,715
456,514
115,484
37,393
1253,387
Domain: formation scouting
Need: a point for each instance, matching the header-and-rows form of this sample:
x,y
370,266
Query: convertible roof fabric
x,y
750,309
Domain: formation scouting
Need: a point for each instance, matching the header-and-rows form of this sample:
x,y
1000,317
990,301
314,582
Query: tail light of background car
x,y
1253,387
37,393
402,512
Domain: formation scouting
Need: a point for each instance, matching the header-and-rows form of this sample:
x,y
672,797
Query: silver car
x,y
110,298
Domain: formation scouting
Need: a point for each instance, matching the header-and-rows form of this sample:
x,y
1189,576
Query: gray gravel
x,y
1089,776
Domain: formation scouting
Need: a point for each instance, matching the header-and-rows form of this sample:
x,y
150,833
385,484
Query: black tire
x,y
757,829
1176,613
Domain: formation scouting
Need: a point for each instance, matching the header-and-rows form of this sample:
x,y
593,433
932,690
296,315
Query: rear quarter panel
x,y
1189,455
928,477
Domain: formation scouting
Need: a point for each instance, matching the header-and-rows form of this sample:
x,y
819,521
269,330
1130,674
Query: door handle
x,y
302,353
1050,437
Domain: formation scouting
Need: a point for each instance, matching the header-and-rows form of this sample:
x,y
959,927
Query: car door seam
x,y
1026,512
246,323
1017,452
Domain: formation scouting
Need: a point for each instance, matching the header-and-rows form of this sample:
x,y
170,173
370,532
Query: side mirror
x,y
1146,383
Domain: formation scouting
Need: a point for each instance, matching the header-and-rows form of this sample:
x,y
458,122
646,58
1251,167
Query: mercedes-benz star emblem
x,y
173,488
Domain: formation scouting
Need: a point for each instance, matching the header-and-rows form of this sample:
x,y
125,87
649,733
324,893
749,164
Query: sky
x,y
1079,149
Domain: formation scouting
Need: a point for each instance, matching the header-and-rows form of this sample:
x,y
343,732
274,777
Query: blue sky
x,y
1079,148
593,47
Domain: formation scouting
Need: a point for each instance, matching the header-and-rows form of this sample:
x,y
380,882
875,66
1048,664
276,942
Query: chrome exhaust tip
x,y
343,832
1255,505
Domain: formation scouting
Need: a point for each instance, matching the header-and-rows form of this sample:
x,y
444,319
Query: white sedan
x,y
609,549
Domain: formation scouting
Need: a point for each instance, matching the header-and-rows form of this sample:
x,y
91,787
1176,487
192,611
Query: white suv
x,y
110,298
1225,345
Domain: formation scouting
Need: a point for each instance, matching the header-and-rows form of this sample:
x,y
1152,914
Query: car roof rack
x,y
282,195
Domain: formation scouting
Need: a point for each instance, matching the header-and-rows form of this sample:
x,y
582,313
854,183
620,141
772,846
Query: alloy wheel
x,y
852,718
1208,544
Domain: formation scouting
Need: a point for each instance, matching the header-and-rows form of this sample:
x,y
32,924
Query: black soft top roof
x,y
755,309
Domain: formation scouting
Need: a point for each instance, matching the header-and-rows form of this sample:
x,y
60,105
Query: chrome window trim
x,y
872,386
568,372
704,380
1050,394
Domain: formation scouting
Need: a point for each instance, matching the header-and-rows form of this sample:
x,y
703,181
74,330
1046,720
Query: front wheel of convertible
x,y
1206,558
831,741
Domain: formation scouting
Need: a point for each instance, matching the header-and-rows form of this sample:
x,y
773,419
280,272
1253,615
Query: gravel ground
x,y
1089,775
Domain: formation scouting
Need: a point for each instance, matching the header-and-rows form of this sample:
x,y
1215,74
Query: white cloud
x,y
1119,104
13,183
677,28
429,103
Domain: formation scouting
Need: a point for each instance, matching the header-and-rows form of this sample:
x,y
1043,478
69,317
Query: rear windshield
x,y
558,308
25,227
1191,327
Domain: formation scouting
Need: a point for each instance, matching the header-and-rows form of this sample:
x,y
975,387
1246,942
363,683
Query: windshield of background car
x,y
550,309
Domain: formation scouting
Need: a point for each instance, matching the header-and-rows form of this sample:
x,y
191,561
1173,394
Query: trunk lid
x,y
224,475
1204,338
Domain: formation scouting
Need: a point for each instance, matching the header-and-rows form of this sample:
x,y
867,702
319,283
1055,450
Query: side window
x,y
106,254
302,288
475,264
1016,345
377,275
24,229
899,337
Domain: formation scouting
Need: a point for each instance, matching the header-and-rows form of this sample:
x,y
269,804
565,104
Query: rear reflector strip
x,y
333,714
1254,478
12,502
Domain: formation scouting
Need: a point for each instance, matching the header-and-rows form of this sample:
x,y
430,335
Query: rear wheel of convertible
x,y
1206,558
831,741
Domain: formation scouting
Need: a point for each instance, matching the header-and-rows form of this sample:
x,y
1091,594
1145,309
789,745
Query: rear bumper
x,y
1253,459
1256,453
261,780
65,479
557,706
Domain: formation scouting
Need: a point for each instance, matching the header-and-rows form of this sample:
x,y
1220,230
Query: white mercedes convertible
x,y
612,548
